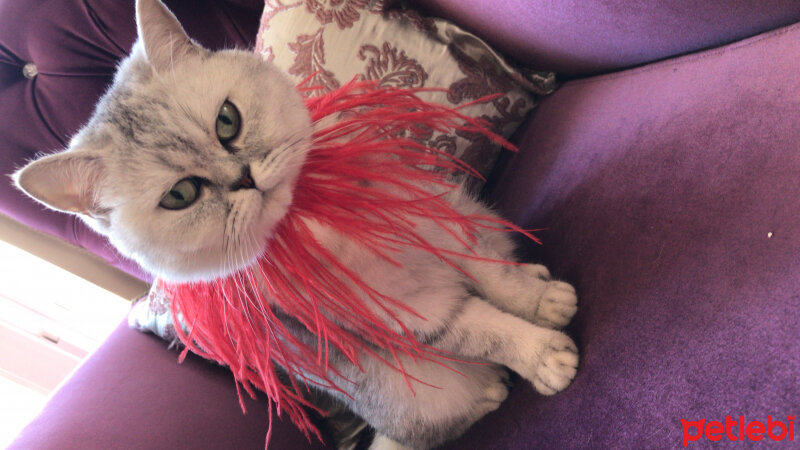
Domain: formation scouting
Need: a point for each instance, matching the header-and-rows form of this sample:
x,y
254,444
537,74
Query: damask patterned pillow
x,y
332,41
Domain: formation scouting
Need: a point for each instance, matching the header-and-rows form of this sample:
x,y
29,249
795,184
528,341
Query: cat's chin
x,y
201,265
212,263
199,274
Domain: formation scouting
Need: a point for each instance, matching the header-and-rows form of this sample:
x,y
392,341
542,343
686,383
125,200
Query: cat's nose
x,y
245,181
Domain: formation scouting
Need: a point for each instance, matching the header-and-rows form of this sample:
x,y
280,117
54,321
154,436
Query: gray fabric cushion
x,y
579,37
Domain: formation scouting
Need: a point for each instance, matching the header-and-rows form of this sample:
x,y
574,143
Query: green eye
x,y
228,122
182,195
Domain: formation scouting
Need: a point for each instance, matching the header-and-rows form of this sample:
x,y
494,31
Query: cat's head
x,y
190,158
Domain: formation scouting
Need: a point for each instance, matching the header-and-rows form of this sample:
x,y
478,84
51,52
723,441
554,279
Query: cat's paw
x,y
557,365
537,271
557,304
496,391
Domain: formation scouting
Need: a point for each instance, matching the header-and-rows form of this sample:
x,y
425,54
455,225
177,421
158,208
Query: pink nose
x,y
245,182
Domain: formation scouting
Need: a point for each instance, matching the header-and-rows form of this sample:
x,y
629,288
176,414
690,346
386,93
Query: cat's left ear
x,y
165,42
67,181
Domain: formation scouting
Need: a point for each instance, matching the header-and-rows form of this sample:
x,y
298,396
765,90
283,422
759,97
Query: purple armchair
x,y
667,184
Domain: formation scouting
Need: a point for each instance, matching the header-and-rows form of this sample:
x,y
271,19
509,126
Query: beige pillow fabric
x,y
330,42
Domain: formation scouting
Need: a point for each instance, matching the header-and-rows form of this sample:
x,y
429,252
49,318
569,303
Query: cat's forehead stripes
x,y
171,163
147,121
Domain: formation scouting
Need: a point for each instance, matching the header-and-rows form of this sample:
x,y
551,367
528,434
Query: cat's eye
x,y
181,195
228,122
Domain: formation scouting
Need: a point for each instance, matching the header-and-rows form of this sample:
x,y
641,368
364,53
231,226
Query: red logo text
x,y
738,430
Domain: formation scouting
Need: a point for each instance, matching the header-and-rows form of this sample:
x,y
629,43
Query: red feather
x,y
372,139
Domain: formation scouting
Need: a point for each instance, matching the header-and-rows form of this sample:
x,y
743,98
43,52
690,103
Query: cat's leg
x,y
444,403
437,401
526,290
545,357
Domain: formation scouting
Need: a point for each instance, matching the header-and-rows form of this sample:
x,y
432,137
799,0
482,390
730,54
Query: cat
x,y
189,162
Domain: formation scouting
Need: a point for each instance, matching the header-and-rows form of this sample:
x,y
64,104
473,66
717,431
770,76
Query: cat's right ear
x,y
65,181
165,42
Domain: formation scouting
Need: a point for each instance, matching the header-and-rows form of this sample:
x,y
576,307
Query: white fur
x,y
155,127
188,244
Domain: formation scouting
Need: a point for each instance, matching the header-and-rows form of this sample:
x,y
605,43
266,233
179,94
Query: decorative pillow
x,y
329,42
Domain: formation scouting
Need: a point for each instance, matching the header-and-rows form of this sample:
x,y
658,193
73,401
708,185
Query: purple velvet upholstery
x,y
670,195
580,37
75,46
132,393
658,187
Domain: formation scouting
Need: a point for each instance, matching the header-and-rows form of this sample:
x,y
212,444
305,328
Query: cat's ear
x,y
65,181
165,42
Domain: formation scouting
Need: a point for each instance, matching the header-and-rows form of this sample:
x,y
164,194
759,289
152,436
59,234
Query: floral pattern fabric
x,y
330,42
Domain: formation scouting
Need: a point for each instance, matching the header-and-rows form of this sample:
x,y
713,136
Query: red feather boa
x,y
235,324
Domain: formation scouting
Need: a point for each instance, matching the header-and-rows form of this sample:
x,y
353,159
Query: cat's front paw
x,y
556,304
557,366
537,271
496,390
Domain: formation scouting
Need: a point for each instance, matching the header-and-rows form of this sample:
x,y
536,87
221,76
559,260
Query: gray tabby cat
x,y
189,162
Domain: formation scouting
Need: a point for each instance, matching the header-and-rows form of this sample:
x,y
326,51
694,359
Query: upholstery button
x,y
29,70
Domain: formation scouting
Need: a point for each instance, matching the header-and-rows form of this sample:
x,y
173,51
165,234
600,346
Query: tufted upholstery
x,y
75,46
